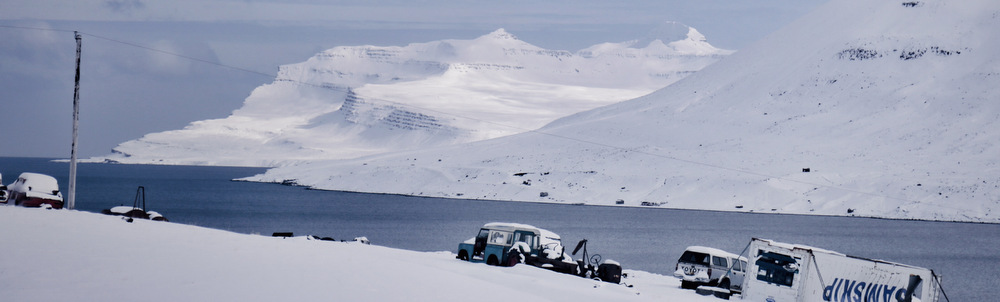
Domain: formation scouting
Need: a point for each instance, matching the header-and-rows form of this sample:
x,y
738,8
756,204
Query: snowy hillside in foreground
x,y
348,102
892,106
63,255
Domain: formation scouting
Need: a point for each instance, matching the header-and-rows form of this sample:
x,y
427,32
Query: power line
x,y
181,56
521,129
36,28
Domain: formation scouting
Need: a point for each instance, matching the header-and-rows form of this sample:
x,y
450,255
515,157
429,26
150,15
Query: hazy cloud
x,y
124,6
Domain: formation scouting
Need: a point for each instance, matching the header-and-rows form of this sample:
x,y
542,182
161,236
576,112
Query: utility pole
x,y
71,195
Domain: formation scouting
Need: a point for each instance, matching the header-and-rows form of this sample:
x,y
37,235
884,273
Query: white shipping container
x,y
780,272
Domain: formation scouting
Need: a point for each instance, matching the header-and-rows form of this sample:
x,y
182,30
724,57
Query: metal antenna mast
x,y
71,195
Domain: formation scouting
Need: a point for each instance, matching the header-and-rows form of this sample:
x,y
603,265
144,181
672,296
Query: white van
x,y
701,265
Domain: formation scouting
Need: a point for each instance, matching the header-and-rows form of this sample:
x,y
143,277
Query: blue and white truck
x,y
507,244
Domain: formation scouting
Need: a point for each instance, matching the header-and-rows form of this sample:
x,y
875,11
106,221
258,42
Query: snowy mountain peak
x,y
695,36
351,101
667,32
501,34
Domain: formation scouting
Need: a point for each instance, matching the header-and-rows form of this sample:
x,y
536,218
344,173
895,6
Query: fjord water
x,y
649,239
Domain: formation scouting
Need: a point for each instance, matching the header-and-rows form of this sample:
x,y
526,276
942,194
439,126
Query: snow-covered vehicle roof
x,y
547,236
510,226
37,185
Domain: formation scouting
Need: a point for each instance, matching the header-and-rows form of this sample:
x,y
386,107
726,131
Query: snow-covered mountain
x,y
348,102
868,108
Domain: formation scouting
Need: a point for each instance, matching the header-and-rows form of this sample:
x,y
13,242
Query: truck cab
x,y
507,244
495,241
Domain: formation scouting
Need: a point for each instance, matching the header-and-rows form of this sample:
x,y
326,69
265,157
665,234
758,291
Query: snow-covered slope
x,y
64,255
348,102
891,106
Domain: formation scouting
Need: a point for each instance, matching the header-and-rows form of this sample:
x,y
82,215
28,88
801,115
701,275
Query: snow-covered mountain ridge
x,y
869,108
352,101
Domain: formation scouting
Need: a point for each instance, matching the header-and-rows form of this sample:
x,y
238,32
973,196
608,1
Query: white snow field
x,y
353,101
66,255
891,106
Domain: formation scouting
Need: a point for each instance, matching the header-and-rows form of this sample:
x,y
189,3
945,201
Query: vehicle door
x,y
719,267
529,239
737,274
480,244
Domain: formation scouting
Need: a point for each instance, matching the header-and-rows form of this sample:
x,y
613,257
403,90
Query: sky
x,y
151,66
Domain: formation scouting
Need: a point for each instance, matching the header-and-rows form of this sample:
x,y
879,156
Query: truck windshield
x,y
526,238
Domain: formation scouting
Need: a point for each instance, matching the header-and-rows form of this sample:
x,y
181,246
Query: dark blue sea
x,y
967,255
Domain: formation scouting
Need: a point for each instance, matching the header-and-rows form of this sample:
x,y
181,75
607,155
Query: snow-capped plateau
x,y
352,101
866,108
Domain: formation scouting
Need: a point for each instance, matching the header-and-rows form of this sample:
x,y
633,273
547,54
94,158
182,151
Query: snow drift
x,y
870,108
68,255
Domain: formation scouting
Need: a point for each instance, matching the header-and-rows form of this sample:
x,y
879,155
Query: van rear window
x,y
694,257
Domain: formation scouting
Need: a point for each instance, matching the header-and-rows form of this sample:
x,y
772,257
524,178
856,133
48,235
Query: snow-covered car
x,y
35,190
701,265
506,244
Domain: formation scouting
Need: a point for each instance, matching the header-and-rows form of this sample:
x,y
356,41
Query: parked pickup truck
x,y
700,265
507,244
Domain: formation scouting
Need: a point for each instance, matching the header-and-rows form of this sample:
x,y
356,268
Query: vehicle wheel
x,y
493,260
513,258
463,255
724,284
688,285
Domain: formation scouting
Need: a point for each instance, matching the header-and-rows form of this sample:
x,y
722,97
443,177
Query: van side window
x,y
737,267
719,261
499,237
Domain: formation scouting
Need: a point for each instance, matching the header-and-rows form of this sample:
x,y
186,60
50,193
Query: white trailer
x,y
780,272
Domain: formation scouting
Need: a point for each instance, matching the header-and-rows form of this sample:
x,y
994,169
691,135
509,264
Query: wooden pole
x,y
71,195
